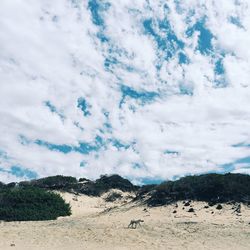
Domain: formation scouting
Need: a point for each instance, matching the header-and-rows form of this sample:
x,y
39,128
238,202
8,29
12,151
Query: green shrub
x,y
105,183
28,204
57,182
207,187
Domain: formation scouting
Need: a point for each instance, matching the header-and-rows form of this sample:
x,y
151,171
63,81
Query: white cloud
x,y
50,51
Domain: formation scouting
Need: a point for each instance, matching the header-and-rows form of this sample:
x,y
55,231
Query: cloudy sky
x,y
148,89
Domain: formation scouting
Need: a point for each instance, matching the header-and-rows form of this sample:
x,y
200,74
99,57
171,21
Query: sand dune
x,y
96,224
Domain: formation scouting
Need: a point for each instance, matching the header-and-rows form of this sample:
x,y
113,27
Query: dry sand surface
x,y
96,224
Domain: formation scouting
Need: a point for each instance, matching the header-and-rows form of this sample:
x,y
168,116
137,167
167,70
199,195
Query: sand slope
x,y
96,224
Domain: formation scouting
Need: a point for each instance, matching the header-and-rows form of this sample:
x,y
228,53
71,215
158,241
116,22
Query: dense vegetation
x,y
57,182
105,183
27,204
84,186
208,187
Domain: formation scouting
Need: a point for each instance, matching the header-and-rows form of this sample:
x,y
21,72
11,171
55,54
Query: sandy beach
x,y
97,224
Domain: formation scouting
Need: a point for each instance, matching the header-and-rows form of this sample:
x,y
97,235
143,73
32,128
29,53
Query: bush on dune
x,y
207,187
29,204
105,183
58,182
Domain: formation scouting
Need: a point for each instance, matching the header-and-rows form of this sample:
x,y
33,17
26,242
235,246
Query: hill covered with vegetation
x,y
33,200
212,188
83,185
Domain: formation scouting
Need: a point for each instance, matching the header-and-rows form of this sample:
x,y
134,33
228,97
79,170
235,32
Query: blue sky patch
x,y
84,106
20,172
23,172
236,21
205,37
151,180
83,148
241,144
102,37
83,164
183,59
219,67
96,9
118,144
99,141
109,62
219,70
166,40
226,168
142,96
229,167
108,126
55,147
244,160
186,89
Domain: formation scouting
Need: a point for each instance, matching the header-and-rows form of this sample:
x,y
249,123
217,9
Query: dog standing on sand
x,y
134,223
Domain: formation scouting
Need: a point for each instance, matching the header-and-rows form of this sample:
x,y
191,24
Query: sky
x,y
148,89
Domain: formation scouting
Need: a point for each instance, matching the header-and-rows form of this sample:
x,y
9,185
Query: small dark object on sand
x,y
191,210
12,244
219,207
174,212
186,204
206,206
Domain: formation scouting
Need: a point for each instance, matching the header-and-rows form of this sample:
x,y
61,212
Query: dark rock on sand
x,y
187,203
219,207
